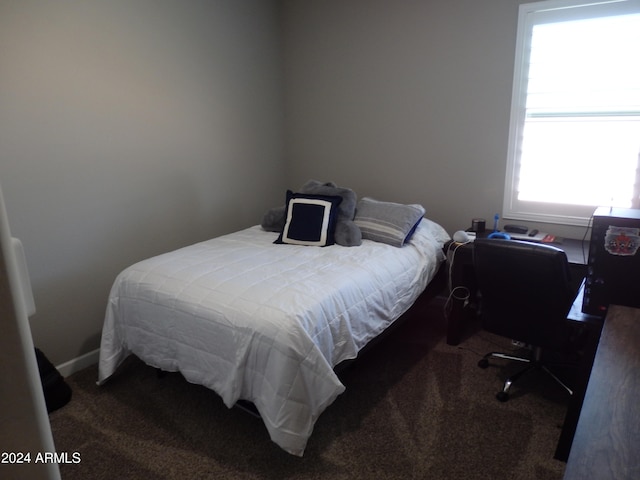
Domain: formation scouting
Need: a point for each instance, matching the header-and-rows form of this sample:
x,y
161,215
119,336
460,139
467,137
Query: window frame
x,y
529,15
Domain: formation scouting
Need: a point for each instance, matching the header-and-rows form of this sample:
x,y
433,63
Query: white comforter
x,y
264,322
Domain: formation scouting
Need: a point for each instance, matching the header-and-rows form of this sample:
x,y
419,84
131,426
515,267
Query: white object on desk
x,y
464,237
525,236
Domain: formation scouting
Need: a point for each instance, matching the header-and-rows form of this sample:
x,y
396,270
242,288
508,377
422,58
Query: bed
x,y
264,322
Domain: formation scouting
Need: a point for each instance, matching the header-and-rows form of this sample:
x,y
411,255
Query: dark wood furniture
x,y
607,437
591,327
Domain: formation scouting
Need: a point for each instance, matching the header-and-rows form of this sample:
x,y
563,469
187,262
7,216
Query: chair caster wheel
x,y
483,363
502,396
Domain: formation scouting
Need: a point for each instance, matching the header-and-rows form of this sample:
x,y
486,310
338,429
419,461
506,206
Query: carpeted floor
x,y
415,408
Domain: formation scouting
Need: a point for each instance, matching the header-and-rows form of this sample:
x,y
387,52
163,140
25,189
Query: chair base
x,y
534,364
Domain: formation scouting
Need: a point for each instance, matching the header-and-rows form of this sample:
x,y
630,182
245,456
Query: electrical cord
x,y
459,293
584,239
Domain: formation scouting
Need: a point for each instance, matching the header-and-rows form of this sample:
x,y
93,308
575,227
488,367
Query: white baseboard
x,y
79,363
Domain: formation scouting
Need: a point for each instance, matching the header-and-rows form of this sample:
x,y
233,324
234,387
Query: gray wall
x,y
405,100
129,128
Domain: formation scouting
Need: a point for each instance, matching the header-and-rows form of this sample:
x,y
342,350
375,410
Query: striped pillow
x,y
387,222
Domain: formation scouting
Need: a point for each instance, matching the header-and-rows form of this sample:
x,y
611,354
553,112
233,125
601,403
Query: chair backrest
x,y
525,290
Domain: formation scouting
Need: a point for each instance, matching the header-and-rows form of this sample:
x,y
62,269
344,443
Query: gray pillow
x,y
387,222
273,219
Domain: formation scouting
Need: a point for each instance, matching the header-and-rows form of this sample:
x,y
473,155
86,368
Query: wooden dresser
x,y
606,444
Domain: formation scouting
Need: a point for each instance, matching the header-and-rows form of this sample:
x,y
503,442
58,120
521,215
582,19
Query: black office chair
x,y
525,295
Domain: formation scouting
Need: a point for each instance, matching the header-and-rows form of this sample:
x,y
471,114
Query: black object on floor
x,y
57,392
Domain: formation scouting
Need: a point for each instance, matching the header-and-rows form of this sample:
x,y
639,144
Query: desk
x,y
608,434
591,326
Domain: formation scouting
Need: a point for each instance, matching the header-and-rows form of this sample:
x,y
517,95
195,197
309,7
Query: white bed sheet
x,y
263,322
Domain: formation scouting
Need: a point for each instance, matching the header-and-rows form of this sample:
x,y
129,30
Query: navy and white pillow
x,y
309,219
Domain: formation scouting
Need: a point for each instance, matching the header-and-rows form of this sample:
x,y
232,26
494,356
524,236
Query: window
x,y
574,138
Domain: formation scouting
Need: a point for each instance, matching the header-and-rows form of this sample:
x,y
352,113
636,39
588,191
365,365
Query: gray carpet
x,y
415,408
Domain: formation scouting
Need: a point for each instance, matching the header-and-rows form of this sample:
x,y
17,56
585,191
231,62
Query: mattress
x,y
264,322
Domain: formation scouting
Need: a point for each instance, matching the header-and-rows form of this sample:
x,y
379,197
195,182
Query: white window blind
x,y
575,122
